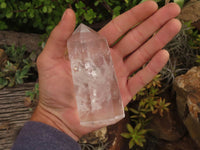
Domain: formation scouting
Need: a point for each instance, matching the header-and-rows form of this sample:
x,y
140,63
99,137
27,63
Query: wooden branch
x,y
107,7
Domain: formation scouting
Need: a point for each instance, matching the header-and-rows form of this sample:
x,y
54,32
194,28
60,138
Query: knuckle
x,y
141,80
117,27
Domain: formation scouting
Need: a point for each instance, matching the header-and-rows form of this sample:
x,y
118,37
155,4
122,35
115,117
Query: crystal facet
x,y
95,83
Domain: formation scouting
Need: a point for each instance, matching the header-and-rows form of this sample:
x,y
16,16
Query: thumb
x,y
57,42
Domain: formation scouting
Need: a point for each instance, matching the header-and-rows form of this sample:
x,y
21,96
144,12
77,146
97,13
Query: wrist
x,y
46,117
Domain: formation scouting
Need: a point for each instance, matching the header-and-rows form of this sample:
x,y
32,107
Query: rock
x,y
3,57
191,11
187,89
114,135
169,127
186,143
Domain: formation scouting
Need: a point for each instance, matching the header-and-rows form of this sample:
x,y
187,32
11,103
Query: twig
x,y
107,7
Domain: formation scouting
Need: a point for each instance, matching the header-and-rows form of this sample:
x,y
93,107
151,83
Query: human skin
x,y
57,105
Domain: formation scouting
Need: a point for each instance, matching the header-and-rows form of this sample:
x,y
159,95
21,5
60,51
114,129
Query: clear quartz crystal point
x,y
97,93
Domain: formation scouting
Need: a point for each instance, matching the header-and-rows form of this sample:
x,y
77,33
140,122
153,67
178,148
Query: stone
x,y
95,83
187,89
185,143
168,128
191,11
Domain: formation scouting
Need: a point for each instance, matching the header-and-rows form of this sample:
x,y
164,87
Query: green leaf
x,y
3,5
134,116
31,13
126,1
3,25
134,2
131,143
138,126
28,4
28,93
130,128
9,14
96,3
90,15
44,9
126,135
69,1
142,132
116,11
126,108
134,98
198,59
80,5
3,83
139,142
179,2
11,81
143,115
134,111
25,20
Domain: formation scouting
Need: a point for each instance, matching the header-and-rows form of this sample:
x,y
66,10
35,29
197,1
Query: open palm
x,y
57,105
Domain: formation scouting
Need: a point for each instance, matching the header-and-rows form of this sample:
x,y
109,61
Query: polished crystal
x,y
95,83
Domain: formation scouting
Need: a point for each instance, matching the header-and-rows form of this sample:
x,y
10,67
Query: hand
x,y
57,105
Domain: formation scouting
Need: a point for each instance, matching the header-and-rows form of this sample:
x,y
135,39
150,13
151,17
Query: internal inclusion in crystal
x,y
95,83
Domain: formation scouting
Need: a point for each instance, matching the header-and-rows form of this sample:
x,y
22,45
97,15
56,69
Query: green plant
x,y
136,135
146,102
179,2
42,15
198,59
183,50
149,101
194,35
34,94
18,66
194,40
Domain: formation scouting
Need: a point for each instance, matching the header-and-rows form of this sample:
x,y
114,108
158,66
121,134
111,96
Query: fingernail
x,y
64,14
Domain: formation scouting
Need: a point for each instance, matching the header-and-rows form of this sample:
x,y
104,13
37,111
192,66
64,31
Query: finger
x,y
144,76
57,42
137,36
157,42
121,24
